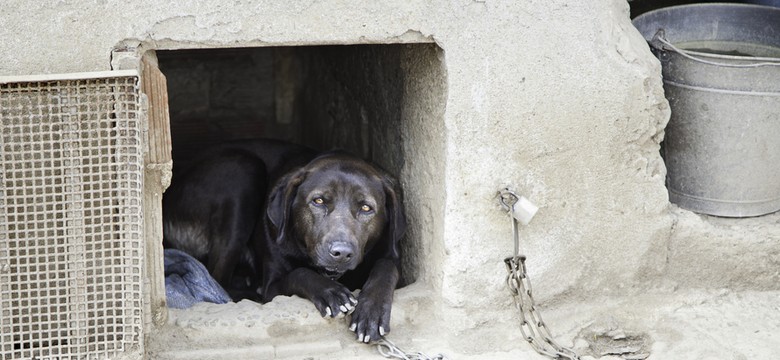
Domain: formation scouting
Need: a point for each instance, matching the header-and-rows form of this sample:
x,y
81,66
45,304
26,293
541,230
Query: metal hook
x,y
508,199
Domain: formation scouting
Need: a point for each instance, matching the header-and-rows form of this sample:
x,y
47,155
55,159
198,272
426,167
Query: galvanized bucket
x,y
721,71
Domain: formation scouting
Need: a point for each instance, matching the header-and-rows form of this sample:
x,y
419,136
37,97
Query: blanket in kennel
x,y
187,282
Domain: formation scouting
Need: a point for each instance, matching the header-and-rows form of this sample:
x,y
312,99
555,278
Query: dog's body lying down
x,y
293,222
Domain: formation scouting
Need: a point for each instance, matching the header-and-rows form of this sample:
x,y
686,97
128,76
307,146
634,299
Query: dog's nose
x,y
341,251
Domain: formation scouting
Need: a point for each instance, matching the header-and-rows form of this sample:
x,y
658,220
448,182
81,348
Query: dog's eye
x,y
365,208
318,201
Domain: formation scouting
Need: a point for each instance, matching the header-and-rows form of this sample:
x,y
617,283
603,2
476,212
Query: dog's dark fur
x,y
293,222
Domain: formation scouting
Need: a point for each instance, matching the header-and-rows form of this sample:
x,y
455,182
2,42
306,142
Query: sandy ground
x,y
659,325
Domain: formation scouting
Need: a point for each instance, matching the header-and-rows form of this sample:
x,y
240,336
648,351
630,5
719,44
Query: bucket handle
x,y
660,38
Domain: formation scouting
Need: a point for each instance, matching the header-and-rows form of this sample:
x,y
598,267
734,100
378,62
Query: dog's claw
x,y
371,319
328,312
353,300
350,308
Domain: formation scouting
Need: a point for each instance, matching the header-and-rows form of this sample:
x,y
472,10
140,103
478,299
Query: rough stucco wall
x,y
572,121
422,175
559,99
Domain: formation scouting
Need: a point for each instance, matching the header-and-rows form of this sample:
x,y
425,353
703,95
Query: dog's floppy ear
x,y
396,220
280,201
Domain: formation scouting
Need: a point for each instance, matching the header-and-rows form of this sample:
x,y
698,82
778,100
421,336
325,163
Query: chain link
x,y
389,350
532,327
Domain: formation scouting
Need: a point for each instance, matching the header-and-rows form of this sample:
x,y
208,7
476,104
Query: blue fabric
x,y
187,282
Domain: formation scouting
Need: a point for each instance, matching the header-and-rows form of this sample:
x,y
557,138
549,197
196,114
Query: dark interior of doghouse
x,y
338,96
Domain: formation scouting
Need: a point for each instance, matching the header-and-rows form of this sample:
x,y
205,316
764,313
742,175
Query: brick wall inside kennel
x,y
71,223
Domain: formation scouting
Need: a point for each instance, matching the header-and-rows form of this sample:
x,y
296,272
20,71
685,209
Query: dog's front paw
x,y
335,300
371,318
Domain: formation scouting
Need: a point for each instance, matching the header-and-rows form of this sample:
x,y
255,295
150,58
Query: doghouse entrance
x,y
367,99
84,158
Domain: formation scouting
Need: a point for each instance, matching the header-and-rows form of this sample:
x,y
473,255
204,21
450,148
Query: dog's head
x,y
336,209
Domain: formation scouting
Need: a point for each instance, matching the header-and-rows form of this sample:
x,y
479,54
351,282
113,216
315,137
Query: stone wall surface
x,y
560,100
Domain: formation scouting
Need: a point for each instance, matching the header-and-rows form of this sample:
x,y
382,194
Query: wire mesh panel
x,y
71,249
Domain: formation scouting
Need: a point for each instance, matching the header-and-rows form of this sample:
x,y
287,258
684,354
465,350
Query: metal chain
x,y
532,327
389,350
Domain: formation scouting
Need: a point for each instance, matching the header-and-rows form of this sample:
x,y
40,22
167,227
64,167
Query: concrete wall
x,y
560,100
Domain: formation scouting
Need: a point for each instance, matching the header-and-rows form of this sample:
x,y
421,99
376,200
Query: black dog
x,y
331,223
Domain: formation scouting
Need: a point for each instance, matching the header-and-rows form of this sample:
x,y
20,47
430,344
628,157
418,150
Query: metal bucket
x,y
721,71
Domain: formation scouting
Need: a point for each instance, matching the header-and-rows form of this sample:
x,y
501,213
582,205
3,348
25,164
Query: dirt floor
x,y
659,325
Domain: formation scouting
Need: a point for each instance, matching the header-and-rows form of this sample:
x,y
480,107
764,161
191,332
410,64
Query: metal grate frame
x,y
71,230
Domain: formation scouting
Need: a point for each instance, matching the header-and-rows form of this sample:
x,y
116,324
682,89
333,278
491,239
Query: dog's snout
x,y
342,251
